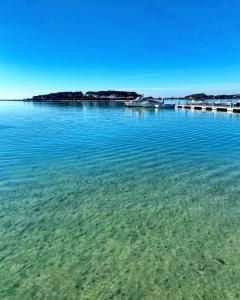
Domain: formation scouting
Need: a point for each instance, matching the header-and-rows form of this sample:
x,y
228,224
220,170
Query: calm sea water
x,y
102,202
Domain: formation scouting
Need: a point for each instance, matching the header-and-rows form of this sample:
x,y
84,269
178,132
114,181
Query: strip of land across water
x,y
117,96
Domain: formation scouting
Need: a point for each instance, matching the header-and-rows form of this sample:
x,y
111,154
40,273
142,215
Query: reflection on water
x,y
85,104
99,201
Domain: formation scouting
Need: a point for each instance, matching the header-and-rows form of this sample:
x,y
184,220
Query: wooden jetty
x,y
230,109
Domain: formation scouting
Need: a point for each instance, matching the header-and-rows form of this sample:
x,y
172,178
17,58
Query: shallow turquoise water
x,y
102,202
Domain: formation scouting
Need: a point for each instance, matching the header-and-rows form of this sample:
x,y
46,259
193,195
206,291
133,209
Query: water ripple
x,y
102,202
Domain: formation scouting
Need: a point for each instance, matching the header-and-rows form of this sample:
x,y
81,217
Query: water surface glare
x,y
102,202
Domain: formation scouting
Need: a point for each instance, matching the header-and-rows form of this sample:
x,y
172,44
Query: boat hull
x,y
129,104
151,105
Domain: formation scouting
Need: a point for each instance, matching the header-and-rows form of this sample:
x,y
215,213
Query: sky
x,y
160,48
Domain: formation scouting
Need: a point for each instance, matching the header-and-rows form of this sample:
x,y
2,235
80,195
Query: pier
x,y
230,109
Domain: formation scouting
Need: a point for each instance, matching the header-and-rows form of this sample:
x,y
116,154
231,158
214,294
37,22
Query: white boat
x,y
198,102
136,102
140,102
229,103
218,103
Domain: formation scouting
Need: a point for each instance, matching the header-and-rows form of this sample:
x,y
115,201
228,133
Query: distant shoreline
x,y
13,100
115,96
119,96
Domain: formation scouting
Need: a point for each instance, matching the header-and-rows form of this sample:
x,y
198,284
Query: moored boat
x,y
141,102
136,102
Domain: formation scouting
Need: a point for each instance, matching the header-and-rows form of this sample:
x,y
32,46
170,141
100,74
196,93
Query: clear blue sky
x,y
163,48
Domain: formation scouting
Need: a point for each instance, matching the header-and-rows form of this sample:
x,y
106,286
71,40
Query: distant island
x,y
79,96
202,96
117,96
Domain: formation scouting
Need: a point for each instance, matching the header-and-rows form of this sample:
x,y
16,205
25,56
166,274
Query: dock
x,y
229,109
